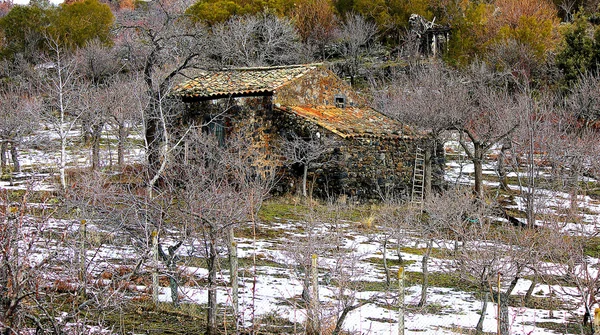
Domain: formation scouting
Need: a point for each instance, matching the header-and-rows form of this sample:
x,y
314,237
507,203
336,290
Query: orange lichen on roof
x,y
351,121
241,81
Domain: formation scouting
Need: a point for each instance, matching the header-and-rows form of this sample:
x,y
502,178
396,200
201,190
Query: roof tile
x,y
241,81
351,121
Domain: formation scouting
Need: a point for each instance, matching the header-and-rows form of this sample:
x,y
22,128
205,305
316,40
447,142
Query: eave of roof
x,y
238,82
352,122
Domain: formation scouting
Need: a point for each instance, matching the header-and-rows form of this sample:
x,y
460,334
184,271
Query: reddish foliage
x,y
5,7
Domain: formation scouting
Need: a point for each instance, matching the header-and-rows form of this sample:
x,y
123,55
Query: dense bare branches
x,y
165,44
357,38
18,110
256,40
306,151
221,192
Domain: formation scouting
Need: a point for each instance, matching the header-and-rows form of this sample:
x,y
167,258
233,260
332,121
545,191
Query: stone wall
x,y
360,167
319,87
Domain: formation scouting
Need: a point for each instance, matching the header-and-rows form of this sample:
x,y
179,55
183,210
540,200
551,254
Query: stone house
x,y
373,155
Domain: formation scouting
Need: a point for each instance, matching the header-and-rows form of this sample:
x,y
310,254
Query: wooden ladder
x,y
418,182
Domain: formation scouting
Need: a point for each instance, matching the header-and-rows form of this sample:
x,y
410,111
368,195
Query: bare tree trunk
x,y
304,177
399,252
478,166
530,289
96,135
502,168
152,136
504,322
425,268
574,176
170,260
428,167
121,145
82,259
14,155
479,327
385,265
211,316
313,326
63,160
3,159
233,275
155,267
342,317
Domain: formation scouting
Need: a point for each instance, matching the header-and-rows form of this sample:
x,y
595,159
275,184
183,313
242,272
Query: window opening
x,y
340,102
215,126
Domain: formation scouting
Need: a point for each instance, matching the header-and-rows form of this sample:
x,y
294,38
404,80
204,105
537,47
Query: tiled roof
x,y
352,122
240,81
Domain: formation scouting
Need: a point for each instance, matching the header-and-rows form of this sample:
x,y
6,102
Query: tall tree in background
x,y
529,22
357,36
317,24
579,52
23,30
75,24
166,44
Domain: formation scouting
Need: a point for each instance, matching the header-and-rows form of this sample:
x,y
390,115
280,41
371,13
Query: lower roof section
x,y
351,122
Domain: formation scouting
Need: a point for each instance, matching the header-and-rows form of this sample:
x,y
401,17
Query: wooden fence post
x,y
233,276
401,301
313,315
155,266
82,257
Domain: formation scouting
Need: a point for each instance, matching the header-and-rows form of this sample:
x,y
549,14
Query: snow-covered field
x,y
275,286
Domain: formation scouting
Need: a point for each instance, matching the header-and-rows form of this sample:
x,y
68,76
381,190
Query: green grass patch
x,y
437,253
282,208
591,247
260,232
436,279
17,196
562,328
273,323
143,317
297,209
546,303
391,262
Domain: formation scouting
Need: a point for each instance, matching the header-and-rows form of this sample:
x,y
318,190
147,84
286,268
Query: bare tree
x,y
256,40
125,100
306,151
317,25
430,98
356,36
487,253
490,118
573,265
18,110
221,192
164,43
96,63
320,241
65,89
